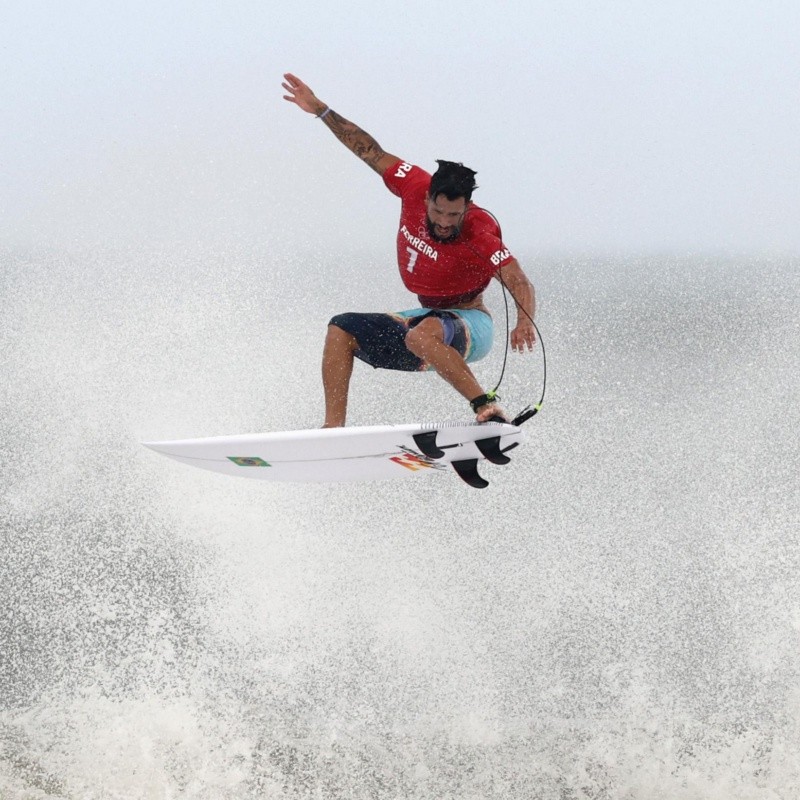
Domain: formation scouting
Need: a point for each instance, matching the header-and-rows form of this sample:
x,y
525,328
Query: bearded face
x,y
444,217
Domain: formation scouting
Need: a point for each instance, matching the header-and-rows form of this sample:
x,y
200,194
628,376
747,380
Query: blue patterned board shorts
x,y
381,337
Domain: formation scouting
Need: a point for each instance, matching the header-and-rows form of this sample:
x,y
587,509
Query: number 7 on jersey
x,y
412,259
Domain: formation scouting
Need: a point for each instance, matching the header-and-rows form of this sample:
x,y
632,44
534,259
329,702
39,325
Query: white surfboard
x,y
378,452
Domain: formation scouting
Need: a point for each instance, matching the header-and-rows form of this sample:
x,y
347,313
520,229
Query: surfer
x,y
448,250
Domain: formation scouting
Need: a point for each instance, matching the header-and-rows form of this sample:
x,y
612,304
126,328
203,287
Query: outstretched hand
x,y
301,95
523,337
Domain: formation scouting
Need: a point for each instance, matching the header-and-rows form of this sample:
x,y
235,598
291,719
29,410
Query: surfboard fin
x,y
427,444
468,472
490,449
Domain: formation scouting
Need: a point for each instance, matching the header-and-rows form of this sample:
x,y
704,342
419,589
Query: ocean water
x,y
617,617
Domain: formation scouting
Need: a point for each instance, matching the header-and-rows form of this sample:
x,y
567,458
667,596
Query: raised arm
x,y
350,135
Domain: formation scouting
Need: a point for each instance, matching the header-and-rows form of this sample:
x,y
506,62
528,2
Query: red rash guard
x,y
442,274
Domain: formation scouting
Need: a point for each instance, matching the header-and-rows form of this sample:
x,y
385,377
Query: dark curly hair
x,y
453,180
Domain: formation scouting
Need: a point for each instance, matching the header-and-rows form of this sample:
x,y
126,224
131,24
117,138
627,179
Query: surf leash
x,y
532,409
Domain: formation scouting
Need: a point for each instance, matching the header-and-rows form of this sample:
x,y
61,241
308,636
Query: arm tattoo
x,y
355,139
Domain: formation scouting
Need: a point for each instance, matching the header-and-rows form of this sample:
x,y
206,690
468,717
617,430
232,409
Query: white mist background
x,y
595,127
616,615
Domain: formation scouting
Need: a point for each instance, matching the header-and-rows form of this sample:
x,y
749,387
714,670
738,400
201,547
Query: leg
x,y
376,339
426,341
337,367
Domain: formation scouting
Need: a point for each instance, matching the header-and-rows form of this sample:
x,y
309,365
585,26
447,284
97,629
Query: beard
x,y
441,239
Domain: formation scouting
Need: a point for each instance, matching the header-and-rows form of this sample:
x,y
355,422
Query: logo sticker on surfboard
x,y
249,461
413,460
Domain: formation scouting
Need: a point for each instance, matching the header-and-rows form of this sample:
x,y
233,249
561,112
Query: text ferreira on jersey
x,y
421,245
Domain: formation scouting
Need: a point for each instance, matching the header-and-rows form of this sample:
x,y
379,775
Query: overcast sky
x,y
594,126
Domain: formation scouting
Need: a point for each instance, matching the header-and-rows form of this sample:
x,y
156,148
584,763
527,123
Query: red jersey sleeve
x,y
403,178
484,239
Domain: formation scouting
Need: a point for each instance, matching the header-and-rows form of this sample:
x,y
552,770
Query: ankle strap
x,y
483,400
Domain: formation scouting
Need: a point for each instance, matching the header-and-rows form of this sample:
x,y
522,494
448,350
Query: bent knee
x,y
428,331
415,341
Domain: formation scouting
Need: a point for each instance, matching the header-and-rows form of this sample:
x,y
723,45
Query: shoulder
x,y
401,177
482,234
480,223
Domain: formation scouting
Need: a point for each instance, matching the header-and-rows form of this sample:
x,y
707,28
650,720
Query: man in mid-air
x,y
448,250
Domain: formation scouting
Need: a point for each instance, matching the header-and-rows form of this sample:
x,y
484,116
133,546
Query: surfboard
x,y
378,452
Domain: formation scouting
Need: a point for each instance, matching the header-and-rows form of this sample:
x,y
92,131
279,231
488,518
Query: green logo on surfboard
x,y
249,461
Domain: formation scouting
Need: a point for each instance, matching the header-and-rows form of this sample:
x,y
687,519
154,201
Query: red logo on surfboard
x,y
414,461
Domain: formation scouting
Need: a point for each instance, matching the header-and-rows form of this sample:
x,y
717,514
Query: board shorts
x,y
381,337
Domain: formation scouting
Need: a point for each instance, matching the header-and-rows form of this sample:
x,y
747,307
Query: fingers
x,y
523,341
293,85
297,91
